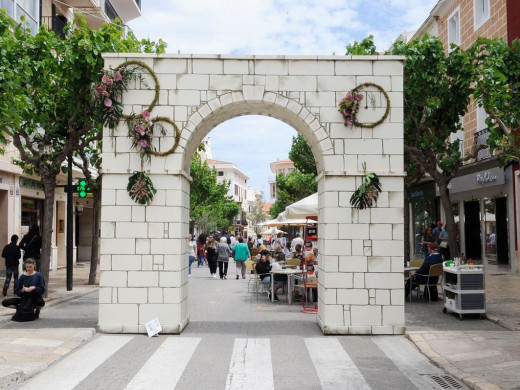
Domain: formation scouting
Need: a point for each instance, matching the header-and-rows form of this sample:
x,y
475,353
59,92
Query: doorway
x,y
472,229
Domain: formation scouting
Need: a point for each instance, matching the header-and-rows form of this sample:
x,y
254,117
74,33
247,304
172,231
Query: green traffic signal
x,y
82,188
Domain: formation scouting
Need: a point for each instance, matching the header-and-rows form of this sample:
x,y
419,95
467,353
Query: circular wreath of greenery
x,y
355,106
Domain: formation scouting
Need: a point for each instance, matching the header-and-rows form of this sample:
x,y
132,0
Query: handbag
x,y
443,244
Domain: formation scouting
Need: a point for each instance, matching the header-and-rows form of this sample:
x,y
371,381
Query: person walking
x,y
30,289
223,253
31,244
212,255
241,253
201,250
192,250
12,255
426,239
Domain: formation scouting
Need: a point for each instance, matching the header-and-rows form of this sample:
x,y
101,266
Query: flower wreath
x,y
349,106
108,95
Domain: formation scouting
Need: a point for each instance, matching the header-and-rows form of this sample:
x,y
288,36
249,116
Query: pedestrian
x,y
223,253
297,241
211,255
241,253
421,275
259,241
426,239
30,289
201,250
250,243
192,250
31,244
12,255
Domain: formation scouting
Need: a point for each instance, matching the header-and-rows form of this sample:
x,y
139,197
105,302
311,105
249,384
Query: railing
x,y
481,138
56,24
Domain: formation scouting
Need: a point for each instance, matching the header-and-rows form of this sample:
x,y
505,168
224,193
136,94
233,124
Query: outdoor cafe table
x,y
408,270
290,274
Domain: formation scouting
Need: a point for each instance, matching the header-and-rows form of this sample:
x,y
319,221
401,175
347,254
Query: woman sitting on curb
x,y
30,288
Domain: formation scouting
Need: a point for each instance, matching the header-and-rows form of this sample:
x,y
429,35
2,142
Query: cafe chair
x,y
259,285
292,263
435,272
253,277
309,285
416,263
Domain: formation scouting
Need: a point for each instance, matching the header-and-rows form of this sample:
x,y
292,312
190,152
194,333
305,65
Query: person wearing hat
x,y
421,275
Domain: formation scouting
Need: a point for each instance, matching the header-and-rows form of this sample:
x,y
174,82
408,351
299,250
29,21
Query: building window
x,y
28,8
481,12
454,29
236,189
221,173
32,211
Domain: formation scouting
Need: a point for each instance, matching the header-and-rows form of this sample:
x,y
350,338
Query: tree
x,y
210,206
291,188
496,76
437,90
365,47
301,155
257,215
47,105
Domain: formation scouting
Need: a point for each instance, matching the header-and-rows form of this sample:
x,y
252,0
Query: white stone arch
x,y
144,249
231,105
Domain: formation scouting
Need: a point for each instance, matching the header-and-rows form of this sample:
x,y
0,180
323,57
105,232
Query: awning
x,y
305,207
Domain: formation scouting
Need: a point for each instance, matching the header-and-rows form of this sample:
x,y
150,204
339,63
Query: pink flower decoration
x,y
146,114
139,130
143,143
346,113
150,124
349,121
108,103
349,96
118,76
101,87
360,96
105,79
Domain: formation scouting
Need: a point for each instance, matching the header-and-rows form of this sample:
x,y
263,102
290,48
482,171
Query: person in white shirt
x,y
297,240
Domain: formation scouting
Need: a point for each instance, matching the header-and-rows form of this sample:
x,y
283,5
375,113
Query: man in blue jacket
x,y
421,275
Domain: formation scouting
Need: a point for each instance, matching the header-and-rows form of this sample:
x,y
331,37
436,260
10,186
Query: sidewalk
x,y
46,346
485,360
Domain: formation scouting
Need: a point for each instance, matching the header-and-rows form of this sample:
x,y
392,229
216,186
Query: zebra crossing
x,y
136,362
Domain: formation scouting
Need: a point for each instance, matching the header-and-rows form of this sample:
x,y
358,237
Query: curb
x,y
473,382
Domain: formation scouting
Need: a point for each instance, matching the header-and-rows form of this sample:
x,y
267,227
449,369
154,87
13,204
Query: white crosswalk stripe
x,y
335,368
67,373
250,367
171,357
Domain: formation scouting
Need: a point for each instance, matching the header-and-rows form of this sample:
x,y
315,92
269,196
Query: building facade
x,y
284,167
21,195
483,194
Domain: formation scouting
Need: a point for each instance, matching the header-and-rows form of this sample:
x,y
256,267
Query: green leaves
x,y
301,155
291,188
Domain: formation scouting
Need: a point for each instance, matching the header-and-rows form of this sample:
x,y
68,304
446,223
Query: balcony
x,y
55,23
126,9
481,138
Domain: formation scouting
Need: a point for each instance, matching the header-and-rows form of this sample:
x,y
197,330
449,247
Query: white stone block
x,y
333,163
138,96
398,231
143,279
386,68
397,84
387,248
126,262
387,215
330,114
330,230
118,246
105,295
379,264
162,65
253,92
225,82
272,83
352,296
108,229
175,262
320,99
105,262
382,330
132,295
352,264
397,164
311,67
393,315
332,314
336,83
113,279
192,81
138,213
379,231
163,214
271,67
339,183
116,213
364,146
117,314
357,248
382,81
131,230
167,81
384,280
392,184
397,296
336,280
165,246
393,146
173,295
155,295
184,98
170,279
327,295
236,67
147,263
353,231
168,314
298,83
359,280
365,315
142,246
383,297
353,68
329,263
210,66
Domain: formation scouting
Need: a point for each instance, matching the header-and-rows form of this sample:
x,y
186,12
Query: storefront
x,y
423,208
483,202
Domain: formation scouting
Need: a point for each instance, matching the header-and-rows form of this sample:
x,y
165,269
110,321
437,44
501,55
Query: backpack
x,y
25,310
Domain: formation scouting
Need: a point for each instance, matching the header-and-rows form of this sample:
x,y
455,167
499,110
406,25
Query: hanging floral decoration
x,y
368,192
140,188
141,127
350,105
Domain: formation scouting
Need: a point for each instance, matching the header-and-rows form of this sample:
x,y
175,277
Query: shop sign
x,y
486,177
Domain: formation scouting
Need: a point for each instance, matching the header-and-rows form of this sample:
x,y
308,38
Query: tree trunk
x,y
49,186
450,219
96,226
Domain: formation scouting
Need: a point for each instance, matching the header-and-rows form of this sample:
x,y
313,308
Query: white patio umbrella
x,y
305,207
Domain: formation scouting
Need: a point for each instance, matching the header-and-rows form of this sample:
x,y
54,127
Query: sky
x,y
277,27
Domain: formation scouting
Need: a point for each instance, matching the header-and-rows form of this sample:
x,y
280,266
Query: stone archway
x,y
143,248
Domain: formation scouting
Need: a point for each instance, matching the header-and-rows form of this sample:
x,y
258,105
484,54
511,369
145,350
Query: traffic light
x,y
82,188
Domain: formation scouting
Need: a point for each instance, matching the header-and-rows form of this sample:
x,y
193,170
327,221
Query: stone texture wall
x,y
144,250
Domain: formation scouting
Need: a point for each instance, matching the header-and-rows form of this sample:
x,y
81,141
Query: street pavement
x,y
231,333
